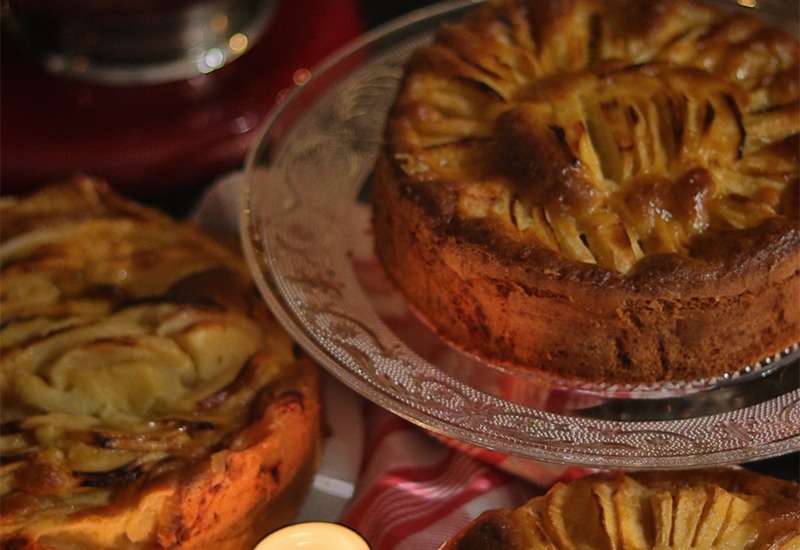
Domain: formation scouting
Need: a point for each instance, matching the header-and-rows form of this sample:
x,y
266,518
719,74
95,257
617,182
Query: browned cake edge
x,y
673,319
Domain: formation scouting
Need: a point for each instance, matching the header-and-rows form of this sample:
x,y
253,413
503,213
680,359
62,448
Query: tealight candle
x,y
313,535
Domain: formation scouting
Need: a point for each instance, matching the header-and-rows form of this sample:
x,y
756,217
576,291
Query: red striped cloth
x,y
415,491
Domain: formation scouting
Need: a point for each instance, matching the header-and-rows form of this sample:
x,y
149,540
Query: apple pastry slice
x,y
148,397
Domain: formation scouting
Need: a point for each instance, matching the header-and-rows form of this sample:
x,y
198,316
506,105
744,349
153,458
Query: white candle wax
x,y
314,535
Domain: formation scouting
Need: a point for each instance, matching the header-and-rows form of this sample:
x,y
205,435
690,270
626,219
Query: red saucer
x,y
147,140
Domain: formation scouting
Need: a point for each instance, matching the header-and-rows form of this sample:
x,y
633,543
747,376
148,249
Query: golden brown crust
x,y
624,171
709,508
149,398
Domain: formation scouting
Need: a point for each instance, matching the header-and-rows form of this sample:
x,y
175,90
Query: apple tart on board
x,y
148,397
722,508
598,190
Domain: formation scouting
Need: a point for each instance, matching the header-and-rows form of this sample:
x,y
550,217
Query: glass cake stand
x,y
307,236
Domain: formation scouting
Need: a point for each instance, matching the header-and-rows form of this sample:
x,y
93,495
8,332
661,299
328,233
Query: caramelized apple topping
x,y
127,343
606,132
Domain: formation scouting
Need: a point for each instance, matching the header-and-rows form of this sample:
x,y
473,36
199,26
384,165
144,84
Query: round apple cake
x,y
598,190
716,508
148,398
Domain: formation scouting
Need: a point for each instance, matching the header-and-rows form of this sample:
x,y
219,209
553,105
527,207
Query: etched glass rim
x,y
304,177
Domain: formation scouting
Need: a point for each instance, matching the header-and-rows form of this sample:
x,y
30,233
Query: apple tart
x,y
148,397
598,190
710,509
